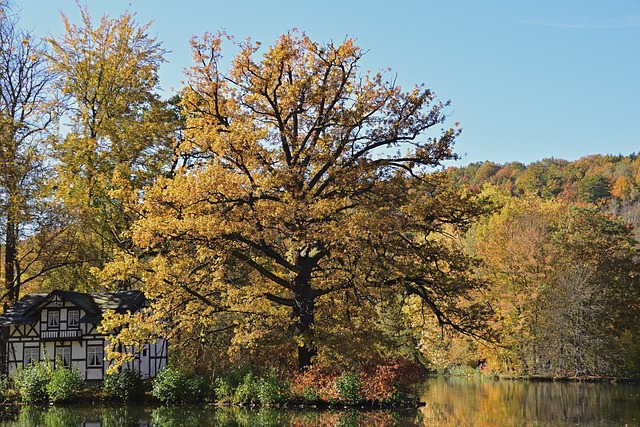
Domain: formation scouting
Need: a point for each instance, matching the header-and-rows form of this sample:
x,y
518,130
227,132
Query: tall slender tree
x,y
27,109
122,134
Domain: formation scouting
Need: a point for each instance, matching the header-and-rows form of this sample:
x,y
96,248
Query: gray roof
x,y
16,314
27,310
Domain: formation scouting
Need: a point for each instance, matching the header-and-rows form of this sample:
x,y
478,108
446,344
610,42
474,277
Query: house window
x,y
63,354
94,356
53,319
31,354
73,318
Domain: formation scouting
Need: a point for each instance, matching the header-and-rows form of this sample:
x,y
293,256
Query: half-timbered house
x,y
62,326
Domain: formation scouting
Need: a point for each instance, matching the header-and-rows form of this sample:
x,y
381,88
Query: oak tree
x,y
308,198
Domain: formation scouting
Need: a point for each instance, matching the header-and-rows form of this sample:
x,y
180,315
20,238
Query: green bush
x,y
270,391
172,386
7,389
310,395
225,389
247,390
126,385
225,386
65,384
461,371
348,386
31,382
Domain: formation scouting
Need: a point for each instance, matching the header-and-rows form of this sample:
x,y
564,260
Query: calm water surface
x,y
467,402
449,402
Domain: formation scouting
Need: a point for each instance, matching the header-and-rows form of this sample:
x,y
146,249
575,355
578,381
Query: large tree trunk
x,y
304,303
303,310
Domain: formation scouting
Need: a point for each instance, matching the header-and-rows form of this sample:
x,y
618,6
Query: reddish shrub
x,y
382,382
314,384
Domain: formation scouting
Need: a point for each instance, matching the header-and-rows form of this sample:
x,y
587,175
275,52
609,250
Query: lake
x,y
469,402
449,402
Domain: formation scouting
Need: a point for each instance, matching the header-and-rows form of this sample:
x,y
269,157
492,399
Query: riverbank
x,y
480,372
98,397
207,416
390,385
449,401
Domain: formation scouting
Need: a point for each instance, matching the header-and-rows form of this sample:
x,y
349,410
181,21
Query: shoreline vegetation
x,y
469,372
242,393
395,386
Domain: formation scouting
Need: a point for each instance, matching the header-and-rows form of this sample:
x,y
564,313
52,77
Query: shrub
x,y
266,390
126,385
461,371
348,386
380,382
270,391
314,385
309,394
225,386
7,389
65,384
173,386
391,381
247,390
31,382
224,389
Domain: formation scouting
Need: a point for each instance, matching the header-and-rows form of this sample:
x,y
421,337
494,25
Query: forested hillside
x,y
282,211
560,256
610,182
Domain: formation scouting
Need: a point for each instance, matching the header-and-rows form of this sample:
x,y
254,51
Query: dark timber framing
x,y
78,315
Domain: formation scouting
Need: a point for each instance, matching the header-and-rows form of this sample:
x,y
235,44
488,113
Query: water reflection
x,y
468,402
100,416
85,416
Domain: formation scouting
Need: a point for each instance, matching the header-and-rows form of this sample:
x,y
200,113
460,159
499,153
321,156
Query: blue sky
x,y
527,79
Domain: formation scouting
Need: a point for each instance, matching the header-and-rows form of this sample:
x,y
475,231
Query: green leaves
x,y
122,133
